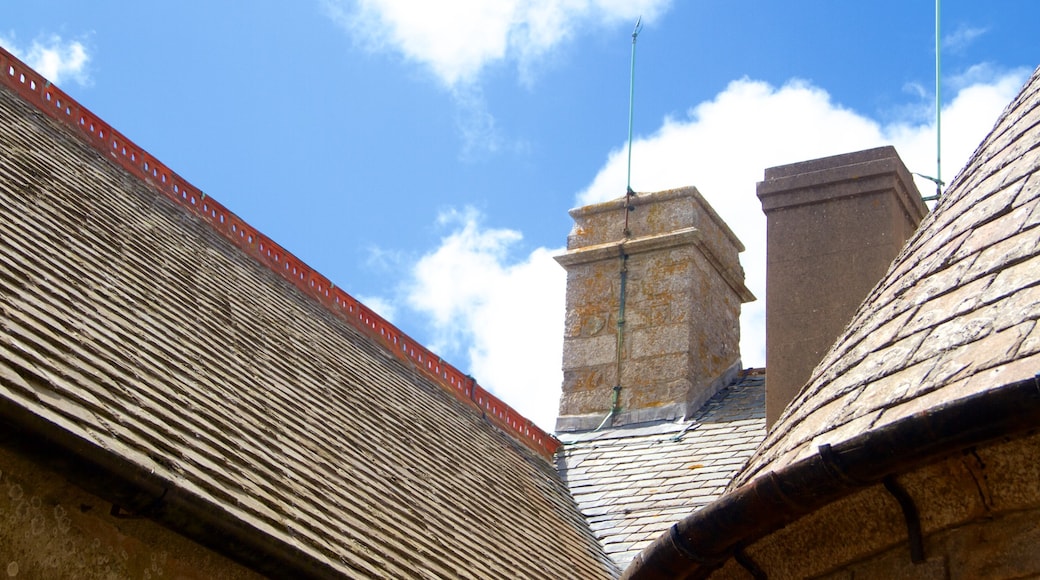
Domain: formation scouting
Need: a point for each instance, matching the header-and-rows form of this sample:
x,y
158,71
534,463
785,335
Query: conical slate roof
x,y
941,356
955,315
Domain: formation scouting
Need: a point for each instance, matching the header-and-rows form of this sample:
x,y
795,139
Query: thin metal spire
x,y
938,105
615,398
937,180
631,100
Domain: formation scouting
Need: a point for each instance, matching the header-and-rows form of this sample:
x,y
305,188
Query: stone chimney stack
x,y
833,227
674,283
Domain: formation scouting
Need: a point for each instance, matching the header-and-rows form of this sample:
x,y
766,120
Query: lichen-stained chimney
x,y
674,282
833,227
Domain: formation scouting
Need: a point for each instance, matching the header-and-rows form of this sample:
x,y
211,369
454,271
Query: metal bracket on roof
x,y
913,520
118,512
683,546
832,463
684,432
748,564
938,186
615,407
778,489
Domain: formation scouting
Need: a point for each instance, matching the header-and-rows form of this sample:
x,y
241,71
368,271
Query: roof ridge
x,y
35,89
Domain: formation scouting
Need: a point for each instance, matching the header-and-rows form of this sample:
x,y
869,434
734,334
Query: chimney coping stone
x,y
645,198
838,176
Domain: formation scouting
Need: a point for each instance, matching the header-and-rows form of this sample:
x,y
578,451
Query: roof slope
x,y
942,356
633,482
136,335
955,315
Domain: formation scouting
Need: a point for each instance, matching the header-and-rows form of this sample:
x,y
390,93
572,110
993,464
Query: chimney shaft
x,y
834,225
683,286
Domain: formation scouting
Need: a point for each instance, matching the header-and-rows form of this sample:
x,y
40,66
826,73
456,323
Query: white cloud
x,y
724,145
478,129
57,60
508,312
916,89
983,73
381,306
475,124
958,40
457,39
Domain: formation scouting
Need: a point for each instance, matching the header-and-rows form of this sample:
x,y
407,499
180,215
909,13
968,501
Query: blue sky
x,y
423,156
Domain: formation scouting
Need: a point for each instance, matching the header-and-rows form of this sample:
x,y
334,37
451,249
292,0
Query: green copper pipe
x,y
615,399
616,403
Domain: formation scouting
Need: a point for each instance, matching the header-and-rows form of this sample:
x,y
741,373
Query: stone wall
x,y
683,290
50,528
979,513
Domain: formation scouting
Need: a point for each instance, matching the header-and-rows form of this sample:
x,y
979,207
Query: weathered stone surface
x,y
978,511
586,352
51,529
683,290
655,341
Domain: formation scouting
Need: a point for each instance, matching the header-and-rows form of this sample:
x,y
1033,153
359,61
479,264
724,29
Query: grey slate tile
x,y
158,344
649,476
958,305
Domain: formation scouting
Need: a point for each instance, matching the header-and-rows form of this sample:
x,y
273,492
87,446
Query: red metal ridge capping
x,y
53,102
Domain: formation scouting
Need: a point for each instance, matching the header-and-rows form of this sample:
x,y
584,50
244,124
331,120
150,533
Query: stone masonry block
x,y
582,352
658,340
683,290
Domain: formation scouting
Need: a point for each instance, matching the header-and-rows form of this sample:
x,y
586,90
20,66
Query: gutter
x,y
705,540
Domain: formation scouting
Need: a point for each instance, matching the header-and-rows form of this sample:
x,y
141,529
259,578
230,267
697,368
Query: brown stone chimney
x,y
652,312
833,227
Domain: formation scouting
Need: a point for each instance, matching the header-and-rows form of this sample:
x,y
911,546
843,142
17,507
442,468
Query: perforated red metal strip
x,y
53,102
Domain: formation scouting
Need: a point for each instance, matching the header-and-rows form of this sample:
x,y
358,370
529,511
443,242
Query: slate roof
x,y
246,414
633,482
955,315
942,356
